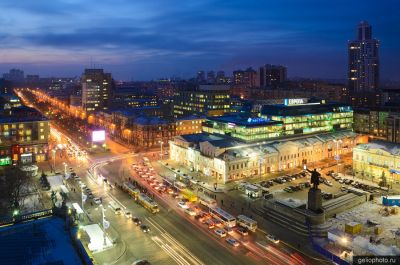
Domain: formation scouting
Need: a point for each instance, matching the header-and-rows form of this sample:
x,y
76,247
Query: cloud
x,y
177,35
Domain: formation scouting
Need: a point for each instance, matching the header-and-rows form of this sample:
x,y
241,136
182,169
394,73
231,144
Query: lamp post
x,y
337,156
65,169
84,197
54,159
161,151
106,224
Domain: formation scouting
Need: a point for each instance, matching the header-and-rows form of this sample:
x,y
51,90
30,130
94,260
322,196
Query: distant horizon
x,y
146,40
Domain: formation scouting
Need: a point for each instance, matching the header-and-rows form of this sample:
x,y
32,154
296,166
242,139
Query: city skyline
x,y
178,39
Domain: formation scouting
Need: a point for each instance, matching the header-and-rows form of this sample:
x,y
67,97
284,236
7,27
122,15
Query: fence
x,y
26,217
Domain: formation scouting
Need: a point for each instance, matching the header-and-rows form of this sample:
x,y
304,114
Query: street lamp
x,y
337,156
161,154
54,159
106,224
65,169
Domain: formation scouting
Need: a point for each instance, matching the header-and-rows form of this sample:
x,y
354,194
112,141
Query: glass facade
x,y
280,120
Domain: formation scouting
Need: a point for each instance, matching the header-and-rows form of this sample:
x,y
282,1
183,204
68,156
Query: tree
x,y
13,186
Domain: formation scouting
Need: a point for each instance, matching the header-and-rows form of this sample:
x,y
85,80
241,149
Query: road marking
x,y
179,247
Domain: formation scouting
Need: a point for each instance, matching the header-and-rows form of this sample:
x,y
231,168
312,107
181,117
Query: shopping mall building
x,y
286,136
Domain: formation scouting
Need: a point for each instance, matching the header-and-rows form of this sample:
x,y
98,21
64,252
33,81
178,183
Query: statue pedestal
x,y
315,200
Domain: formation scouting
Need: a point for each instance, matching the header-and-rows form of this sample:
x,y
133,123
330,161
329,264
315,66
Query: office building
x,y
14,75
210,77
246,78
299,116
5,87
393,127
201,77
363,68
24,134
221,78
272,75
96,90
207,100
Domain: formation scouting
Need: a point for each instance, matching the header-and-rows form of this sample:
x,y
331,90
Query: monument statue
x,y
314,194
314,178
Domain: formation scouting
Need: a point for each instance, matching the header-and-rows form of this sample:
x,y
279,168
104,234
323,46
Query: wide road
x,y
195,238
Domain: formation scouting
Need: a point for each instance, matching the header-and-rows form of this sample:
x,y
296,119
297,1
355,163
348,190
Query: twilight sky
x,y
145,39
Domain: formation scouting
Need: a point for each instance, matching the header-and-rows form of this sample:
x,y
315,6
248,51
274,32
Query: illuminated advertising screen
x,y
98,136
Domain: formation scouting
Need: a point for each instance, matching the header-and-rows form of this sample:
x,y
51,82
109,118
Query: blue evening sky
x,y
145,39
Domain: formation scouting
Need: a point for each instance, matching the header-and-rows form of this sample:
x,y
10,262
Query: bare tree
x,y
13,186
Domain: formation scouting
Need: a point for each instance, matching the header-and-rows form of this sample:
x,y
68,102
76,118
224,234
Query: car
x,y
136,221
220,232
182,205
128,215
210,224
233,242
343,188
288,189
145,228
217,223
228,230
272,238
328,183
243,231
270,183
190,212
141,262
341,181
97,200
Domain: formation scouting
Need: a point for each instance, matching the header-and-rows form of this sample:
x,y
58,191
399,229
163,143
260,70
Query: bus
x,y
179,185
247,222
207,201
148,203
131,190
225,218
115,207
189,195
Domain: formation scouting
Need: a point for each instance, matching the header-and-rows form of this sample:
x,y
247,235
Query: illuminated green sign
x,y
5,161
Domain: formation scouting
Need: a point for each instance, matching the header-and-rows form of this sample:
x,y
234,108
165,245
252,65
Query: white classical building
x,y
228,160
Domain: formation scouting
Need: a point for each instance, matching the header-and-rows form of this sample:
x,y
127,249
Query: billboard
x,y
98,136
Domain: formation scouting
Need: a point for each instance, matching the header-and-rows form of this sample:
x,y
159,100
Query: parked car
x,y
97,200
136,221
288,189
145,228
128,215
328,183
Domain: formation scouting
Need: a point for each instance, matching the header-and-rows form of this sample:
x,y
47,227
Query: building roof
x,y
303,109
243,120
22,114
150,120
391,148
200,137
